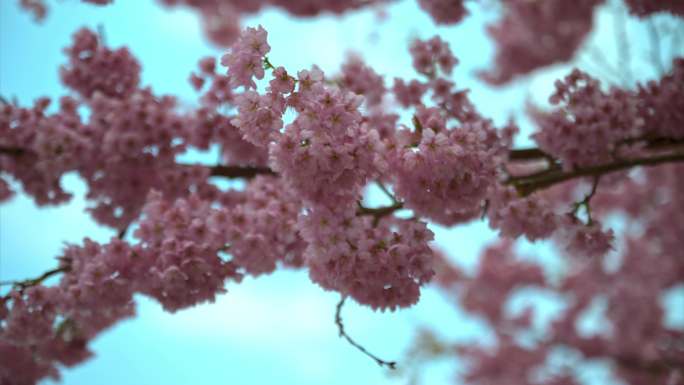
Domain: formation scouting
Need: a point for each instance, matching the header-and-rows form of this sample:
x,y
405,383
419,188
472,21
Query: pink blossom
x,y
562,27
361,79
282,83
409,94
381,266
428,55
245,58
93,67
444,11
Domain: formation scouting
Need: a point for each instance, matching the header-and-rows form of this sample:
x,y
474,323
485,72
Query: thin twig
x,y
268,64
586,201
386,191
38,280
343,334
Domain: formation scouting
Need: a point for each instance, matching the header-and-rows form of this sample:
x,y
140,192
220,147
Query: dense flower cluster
x,y
430,55
50,145
245,59
361,79
645,7
444,11
661,104
136,153
123,149
326,154
445,174
221,19
592,126
409,94
262,229
534,34
378,264
592,123
642,348
185,265
95,68
534,217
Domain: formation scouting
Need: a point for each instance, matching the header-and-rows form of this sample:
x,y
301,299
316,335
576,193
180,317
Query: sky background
x,y
278,328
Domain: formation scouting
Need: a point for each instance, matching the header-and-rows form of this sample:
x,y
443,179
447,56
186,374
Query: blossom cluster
x,y
533,34
445,174
95,68
444,11
641,347
380,264
326,156
592,126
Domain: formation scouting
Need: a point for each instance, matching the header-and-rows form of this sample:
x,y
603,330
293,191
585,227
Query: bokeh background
x,y
278,328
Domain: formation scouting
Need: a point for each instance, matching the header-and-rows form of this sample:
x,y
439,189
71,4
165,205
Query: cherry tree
x,y
308,146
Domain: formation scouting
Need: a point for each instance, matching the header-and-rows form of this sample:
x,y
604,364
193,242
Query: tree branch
x,y
526,185
651,143
38,280
654,366
11,151
233,172
587,200
343,334
528,154
379,212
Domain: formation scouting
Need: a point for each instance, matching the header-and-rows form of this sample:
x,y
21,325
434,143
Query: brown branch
x,y
233,172
38,280
663,365
343,334
11,151
219,170
379,212
384,189
526,185
528,154
651,143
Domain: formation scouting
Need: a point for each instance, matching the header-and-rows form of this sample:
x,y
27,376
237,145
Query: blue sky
x,y
274,329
